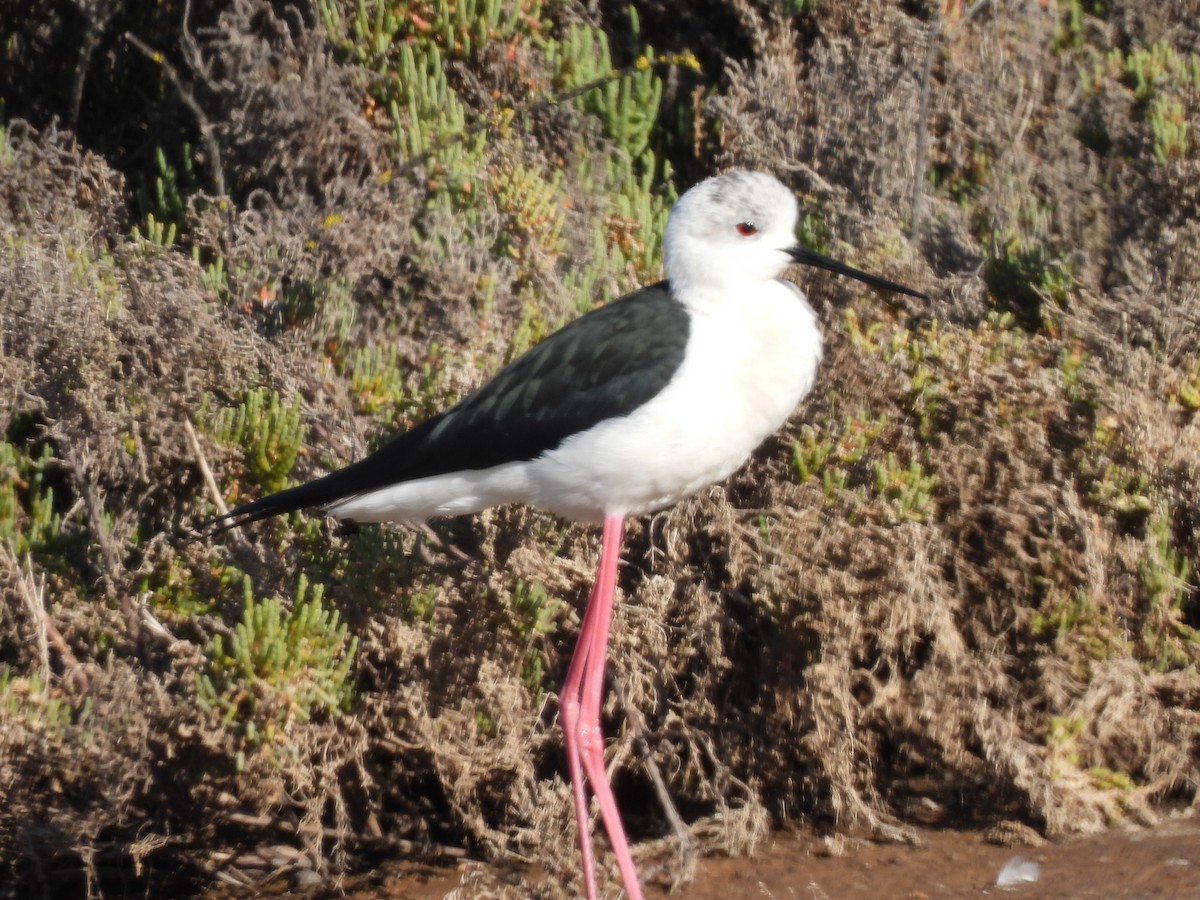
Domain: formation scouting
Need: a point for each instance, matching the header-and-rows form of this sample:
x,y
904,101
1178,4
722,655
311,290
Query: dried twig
x,y
206,473
212,148
210,482
112,568
916,219
97,16
937,36
687,847
374,842
33,594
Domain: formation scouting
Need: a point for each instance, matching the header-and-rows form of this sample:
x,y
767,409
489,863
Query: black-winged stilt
x,y
626,410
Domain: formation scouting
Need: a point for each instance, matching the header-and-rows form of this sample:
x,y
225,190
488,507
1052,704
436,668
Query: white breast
x,y
747,366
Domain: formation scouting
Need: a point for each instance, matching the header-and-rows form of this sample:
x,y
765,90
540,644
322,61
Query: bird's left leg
x,y
570,704
591,740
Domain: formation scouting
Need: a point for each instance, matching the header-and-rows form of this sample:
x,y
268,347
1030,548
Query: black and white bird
x,y
626,410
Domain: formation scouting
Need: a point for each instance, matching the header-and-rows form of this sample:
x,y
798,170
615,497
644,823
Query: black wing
x,y
602,365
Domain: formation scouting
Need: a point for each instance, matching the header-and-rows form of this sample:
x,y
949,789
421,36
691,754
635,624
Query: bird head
x,y
738,228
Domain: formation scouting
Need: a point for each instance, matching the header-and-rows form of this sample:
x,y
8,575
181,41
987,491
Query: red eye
x,y
747,229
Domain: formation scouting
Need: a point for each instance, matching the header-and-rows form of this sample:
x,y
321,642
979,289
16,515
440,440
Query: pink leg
x,y
580,713
569,704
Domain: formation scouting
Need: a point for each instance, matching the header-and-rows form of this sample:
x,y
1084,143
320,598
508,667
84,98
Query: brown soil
x,y
1158,862
1132,864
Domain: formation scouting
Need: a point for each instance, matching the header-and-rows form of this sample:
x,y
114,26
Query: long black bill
x,y
807,257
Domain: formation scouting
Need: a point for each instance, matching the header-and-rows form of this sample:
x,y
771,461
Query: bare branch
x,y
212,148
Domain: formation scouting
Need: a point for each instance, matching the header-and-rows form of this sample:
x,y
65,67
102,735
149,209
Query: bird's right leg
x,y
569,708
582,693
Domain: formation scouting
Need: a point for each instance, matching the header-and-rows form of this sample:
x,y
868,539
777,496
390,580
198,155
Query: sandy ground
x,y
1163,862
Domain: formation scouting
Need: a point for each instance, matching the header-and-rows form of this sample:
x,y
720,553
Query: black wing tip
x,y
314,495
246,514
208,529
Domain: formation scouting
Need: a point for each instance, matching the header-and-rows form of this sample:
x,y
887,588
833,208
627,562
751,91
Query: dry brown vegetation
x,y
957,588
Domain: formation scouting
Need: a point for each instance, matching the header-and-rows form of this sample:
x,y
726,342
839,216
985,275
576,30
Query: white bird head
x,y
739,228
